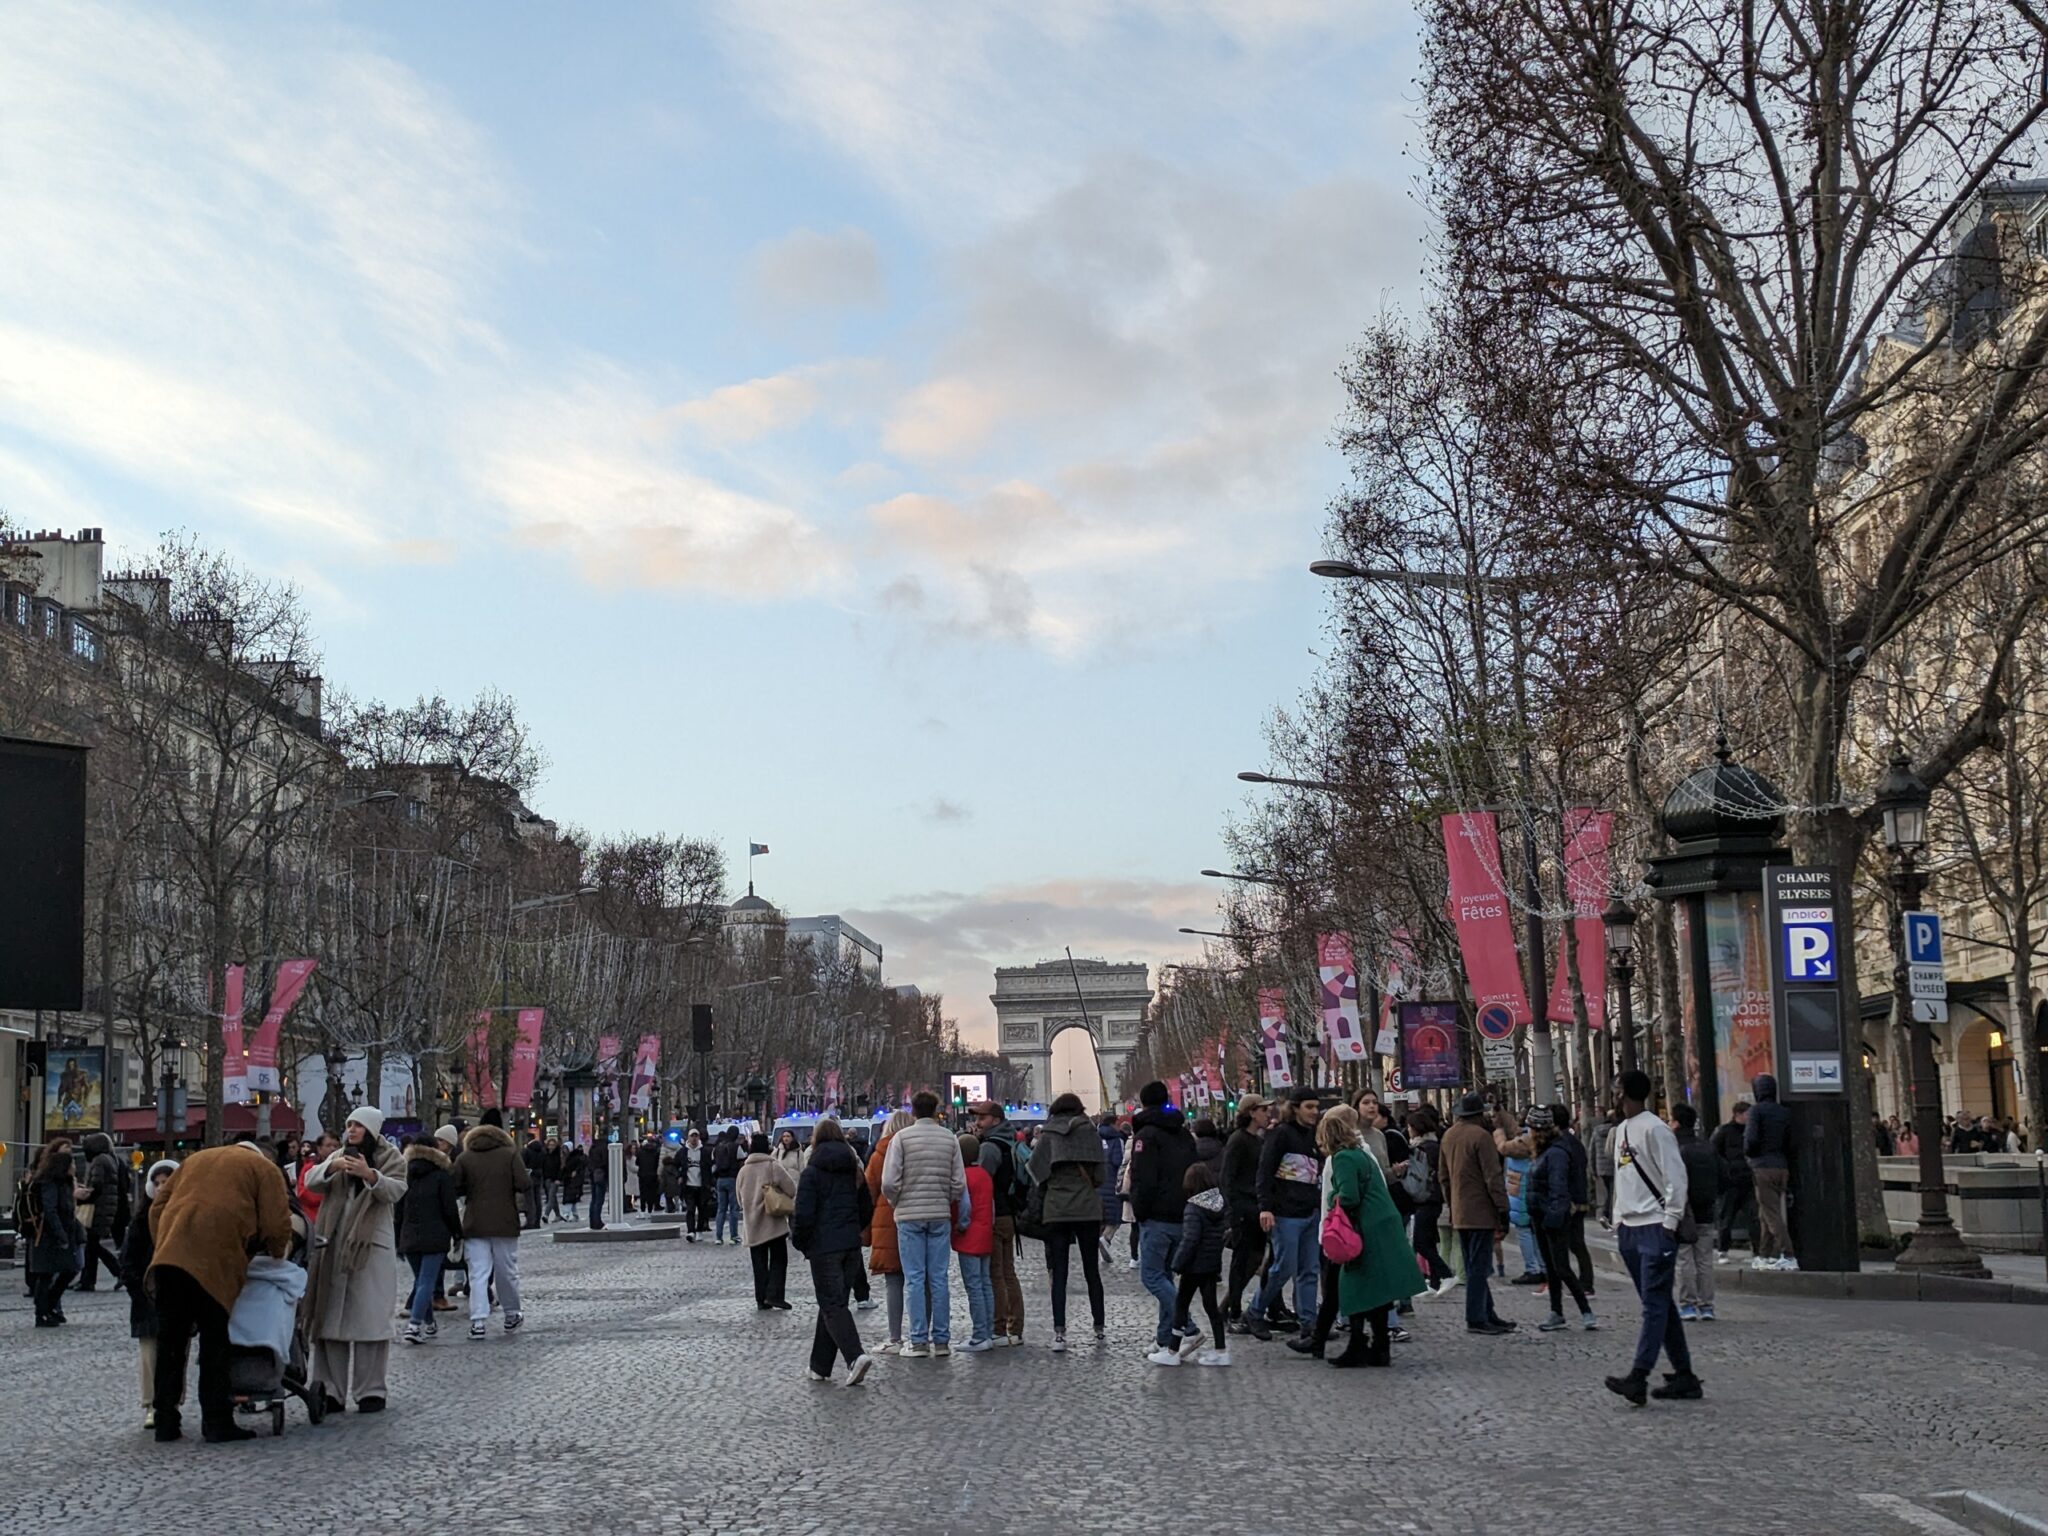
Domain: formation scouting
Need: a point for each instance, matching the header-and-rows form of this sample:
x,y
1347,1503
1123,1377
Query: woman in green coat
x,y
1385,1272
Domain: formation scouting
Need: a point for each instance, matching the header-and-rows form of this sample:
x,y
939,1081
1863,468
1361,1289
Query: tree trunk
x,y
216,1044
2019,986
1663,994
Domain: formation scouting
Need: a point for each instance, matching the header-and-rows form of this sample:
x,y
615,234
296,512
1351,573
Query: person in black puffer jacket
x,y
107,1183
1240,1186
1198,1260
833,1207
429,1224
1161,1153
138,1248
1767,1143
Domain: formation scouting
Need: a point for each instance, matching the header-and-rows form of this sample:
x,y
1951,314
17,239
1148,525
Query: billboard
x,y
75,1090
968,1087
1431,1051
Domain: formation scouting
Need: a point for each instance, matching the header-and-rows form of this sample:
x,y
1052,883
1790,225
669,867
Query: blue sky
x,y
894,432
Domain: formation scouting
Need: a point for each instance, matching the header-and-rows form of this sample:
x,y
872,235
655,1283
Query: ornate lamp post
x,y
1620,922
757,1098
1935,1245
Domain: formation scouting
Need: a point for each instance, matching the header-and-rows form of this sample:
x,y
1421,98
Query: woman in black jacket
x,y
574,1162
59,1239
137,1249
429,1223
833,1206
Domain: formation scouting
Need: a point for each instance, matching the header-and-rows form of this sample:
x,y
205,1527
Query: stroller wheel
x,y
276,1419
316,1406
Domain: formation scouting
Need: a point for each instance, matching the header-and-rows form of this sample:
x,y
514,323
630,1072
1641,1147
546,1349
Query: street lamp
x,y
1934,1246
1233,874
1326,785
1210,933
1620,922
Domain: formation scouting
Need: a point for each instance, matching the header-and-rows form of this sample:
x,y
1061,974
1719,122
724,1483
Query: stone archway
x,y
1036,1003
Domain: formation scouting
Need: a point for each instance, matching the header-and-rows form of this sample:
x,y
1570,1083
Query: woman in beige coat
x,y
353,1269
767,1234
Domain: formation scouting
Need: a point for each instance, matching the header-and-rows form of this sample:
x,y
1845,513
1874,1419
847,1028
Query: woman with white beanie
x,y
137,1249
354,1264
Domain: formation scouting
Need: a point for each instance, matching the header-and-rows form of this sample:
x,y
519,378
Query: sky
x,y
894,432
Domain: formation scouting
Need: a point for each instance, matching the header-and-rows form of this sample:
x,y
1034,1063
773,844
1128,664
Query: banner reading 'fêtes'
x,y
1479,907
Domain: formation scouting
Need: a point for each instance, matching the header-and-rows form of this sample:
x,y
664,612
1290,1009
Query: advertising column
x,y
1815,1051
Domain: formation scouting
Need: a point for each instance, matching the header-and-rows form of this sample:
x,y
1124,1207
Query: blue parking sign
x,y
1923,938
1808,947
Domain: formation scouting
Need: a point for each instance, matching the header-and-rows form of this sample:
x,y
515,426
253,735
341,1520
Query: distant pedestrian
x,y
1737,1201
58,1240
533,1153
1548,1195
646,1164
726,1157
1162,1150
671,1178
1694,1286
833,1207
1111,1192
1650,1206
575,1166
324,1147
491,1180
1767,1143
429,1225
1067,1173
694,1164
767,1195
138,1248
1423,1176
789,1153
551,1175
971,1245
104,1214
1475,1188
925,1183
884,1257
353,1271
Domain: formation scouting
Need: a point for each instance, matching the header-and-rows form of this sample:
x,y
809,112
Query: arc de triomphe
x,y
1034,1003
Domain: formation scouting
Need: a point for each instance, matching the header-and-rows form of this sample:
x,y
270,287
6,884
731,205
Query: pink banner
x,y
234,1067
1272,1021
781,1101
1479,907
1339,977
525,1059
481,1081
644,1060
1587,835
831,1090
285,987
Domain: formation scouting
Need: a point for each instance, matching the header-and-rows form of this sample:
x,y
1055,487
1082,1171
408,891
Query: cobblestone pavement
x,y
647,1395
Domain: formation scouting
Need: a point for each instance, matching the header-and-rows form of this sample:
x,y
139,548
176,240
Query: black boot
x,y
1679,1386
1634,1386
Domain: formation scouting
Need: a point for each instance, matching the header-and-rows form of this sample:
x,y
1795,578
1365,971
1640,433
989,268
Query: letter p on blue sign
x,y
1809,943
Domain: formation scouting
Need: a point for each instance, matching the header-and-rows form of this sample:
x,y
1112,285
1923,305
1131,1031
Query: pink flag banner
x,y
1588,833
1272,1021
285,987
644,1062
234,1067
1339,976
481,1081
1479,907
525,1059
832,1090
781,1100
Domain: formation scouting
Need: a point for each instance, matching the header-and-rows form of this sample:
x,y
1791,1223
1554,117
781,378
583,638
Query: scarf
x,y
345,1217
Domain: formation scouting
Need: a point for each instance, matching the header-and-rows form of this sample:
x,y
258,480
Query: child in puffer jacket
x,y
1198,1260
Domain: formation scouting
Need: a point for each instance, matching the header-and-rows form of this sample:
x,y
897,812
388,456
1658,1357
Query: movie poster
x,y
75,1090
1431,1056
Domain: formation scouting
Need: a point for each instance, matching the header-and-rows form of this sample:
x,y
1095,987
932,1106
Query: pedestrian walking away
x,y
1737,1202
50,1207
926,1184
767,1194
492,1180
1475,1189
1694,1286
1767,1143
1068,1167
1112,1193
1652,1221
102,1211
726,1157
833,1208
352,1273
429,1224
971,1245
533,1153
1162,1151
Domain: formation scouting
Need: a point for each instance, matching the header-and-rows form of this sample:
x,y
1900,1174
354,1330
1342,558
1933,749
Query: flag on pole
x,y
1272,1020
234,1087
755,850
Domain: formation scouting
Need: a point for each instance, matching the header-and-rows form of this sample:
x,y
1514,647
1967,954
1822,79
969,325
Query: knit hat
x,y
369,1117
159,1166
1540,1119
449,1134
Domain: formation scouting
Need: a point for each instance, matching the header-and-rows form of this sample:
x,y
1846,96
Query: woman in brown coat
x,y
881,1234
353,1275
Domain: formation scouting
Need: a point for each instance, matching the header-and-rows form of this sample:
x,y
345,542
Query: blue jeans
x,y
925,1247
1155,1253
1477,1250
1651,1254
426,1270
981,1295
728,1209
1297,1256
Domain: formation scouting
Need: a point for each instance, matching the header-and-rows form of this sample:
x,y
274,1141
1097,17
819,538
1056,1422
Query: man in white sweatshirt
x,y
1649,1203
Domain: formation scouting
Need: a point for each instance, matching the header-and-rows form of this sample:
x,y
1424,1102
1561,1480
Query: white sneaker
x,y
1059,1341
1760,1262
1191,1344
1164,1357
975,1347
811,1375
1788,1263
888,1347
866,1306
858,1371
1213,1357
1132,1265
1450,1285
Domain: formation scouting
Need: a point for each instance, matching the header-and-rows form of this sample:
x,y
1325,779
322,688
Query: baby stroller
x,y
259,1381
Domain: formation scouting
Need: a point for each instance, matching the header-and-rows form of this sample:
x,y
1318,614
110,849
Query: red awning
x,y
137,1125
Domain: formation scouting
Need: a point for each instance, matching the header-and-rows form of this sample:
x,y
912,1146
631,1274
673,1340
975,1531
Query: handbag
x,y
1341,1242
1688,1225
777,1202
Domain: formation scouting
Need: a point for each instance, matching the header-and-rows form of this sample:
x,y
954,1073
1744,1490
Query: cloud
x,y
805,269
952,941
942,419
739,413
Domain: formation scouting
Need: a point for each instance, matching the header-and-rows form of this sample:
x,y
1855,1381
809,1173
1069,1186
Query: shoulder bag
x,y
1688,1227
